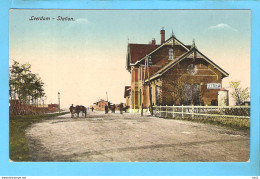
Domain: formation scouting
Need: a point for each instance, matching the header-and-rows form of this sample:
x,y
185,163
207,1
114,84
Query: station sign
x,y
213,85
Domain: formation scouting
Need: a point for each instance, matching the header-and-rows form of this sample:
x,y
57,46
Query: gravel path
x,y
130,138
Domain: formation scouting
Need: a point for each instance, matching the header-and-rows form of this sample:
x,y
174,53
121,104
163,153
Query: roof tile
x,y
138,51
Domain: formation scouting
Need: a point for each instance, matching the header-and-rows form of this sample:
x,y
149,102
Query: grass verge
x,y
18,146
227,122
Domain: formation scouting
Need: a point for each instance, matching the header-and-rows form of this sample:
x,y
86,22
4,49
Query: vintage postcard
x,y
129,85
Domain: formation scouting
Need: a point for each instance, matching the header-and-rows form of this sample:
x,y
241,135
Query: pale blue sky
x,y
85,58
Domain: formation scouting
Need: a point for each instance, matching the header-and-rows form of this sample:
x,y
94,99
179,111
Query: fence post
x,y
192,109
160,111
173,115
182,111
166,111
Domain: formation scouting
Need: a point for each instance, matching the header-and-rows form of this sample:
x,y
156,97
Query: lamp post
x,y
59,100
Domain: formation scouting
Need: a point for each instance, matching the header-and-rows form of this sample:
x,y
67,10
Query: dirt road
x,y
130,137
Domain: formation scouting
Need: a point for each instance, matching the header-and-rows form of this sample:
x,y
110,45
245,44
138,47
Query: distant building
x,y
100,105
172,73
53,107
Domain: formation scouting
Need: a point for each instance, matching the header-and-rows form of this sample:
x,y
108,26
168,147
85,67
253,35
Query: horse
x,y
78,109
112,107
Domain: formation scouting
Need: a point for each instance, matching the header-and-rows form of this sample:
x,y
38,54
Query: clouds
x,y
222,27
78,22
82,20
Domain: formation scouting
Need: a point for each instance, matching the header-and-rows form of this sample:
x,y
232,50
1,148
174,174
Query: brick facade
x,y
181,80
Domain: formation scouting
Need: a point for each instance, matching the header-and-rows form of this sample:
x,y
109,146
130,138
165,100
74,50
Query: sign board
x,y
213,86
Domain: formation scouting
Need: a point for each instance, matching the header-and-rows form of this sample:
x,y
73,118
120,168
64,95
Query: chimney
x,y
162,36
153,42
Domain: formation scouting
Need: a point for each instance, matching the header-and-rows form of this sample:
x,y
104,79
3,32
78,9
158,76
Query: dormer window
x,y
171,54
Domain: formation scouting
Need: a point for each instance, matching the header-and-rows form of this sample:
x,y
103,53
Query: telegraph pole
x,y
59,100
143,84
148,64
149,82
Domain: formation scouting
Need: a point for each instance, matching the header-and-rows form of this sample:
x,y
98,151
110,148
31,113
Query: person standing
x,y
71,110
121,108
106,109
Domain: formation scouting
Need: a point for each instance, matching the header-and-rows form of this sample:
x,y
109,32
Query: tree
x,y
175,92
24,85
239,94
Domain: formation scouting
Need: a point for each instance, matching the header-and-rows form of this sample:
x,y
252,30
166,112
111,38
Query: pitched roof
x,y
138,51
169,41
180,58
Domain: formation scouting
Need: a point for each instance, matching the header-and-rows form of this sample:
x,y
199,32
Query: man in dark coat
x,y
121,108
71,110
106,109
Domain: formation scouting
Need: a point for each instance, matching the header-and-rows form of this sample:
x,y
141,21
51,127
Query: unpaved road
x,y
130,137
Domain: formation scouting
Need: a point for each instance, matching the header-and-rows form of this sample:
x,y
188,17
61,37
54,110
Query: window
x,y
192,94
171,54
192,69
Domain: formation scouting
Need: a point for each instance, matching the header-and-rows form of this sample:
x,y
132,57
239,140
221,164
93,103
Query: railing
x,y
241,112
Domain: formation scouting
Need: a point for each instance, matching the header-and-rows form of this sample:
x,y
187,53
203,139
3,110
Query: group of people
x,y
113,108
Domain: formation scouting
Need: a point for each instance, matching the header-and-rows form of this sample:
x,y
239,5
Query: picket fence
x,y
242,112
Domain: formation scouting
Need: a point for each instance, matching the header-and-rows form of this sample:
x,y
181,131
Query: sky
x,y
85,58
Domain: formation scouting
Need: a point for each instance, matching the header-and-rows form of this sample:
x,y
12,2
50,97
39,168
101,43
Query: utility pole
x,y
150,92
147,66
143,84
142,78
148,63
59,100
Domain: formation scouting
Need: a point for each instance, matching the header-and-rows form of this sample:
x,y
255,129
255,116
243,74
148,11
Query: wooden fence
x,y
241,112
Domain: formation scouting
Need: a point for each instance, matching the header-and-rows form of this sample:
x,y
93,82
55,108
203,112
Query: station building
x,y
171,73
